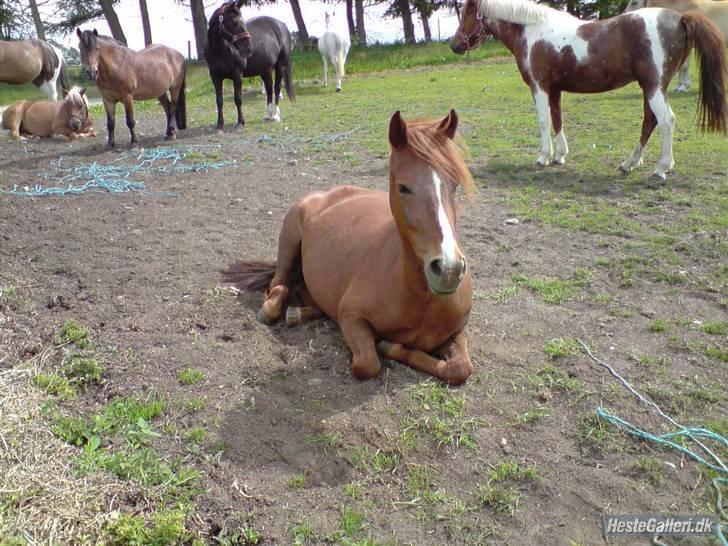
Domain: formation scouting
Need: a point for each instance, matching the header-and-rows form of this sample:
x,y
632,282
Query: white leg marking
x,y
562,148
544,123
277,116
269,112
49,89
449,244
634,161
666,124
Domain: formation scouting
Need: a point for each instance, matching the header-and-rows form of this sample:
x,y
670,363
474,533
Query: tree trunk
x,y
199,22
350,21
145,22
116,31
300,23
426,27
361,33
39,31
409,28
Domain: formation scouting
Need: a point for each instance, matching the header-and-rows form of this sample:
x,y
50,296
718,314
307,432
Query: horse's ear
x,y
449,125
82,91
397,131
79,33
96,32
65,92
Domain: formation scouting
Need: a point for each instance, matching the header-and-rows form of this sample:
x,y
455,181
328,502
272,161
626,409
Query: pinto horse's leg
x,y
217,82
666,123
684,77
360,338
238,96
267,78
110,108
541,98
649,122
454,370
562,148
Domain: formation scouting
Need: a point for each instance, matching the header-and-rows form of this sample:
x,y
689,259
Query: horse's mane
x,y
440,152
520,12
110,39
214,37
74,96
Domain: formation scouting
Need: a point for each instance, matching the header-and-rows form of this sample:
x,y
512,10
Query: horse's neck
x,y
110,58
510,35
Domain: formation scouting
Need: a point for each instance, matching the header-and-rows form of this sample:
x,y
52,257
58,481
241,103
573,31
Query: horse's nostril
x,y
436,266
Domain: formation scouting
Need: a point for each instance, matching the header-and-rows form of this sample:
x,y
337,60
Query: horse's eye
x,y
404,190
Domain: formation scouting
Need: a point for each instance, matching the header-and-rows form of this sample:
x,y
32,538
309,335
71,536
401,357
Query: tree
x,y
425,9
77,12
35,14
401,8
107,7
361,33
145,22
300,23
350,21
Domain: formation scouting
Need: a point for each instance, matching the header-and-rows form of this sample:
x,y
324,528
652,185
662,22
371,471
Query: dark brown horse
x,y
124,75
386,267
556,52
36,61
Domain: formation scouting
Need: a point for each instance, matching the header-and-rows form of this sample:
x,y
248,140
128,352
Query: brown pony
x,y
556,52
124,75
386,267
44,119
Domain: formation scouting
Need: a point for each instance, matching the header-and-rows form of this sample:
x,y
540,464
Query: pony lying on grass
x,y
44,119
386,267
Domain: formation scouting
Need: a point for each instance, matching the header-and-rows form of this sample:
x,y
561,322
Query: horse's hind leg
x,y
238,97
649,122
267,78
684,77
326,71
130,121
562,148
666,123
217,82
277,92
308,311
169,112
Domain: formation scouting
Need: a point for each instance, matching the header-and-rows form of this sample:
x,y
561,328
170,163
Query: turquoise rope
x,y
116,178
691,433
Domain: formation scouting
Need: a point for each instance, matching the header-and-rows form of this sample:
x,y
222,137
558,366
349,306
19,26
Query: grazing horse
x,y
236,50
34,61
44,119
386,267
556,52
124,75
334,47
716,11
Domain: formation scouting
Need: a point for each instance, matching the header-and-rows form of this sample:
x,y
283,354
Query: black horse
x,y
236,49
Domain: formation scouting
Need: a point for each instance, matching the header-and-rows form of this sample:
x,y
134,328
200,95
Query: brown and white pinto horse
x,y
556,52
386,267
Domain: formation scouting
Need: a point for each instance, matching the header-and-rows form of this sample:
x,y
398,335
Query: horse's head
x,y
425,168
232,28
635,4
75,108
473,28
89,49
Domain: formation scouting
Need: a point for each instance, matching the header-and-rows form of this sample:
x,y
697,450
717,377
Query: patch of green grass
x,y
190,376
247,535
328,442
164,527
354,490
603,297
82,370
297,481
420,483
715,327
650,468
504,294
531,416
351,522
194,435
435,410
559,346
659,325
499,498
556,379
511,470
376,462
72,332
55,385
7,293
195,404
302,533
597,435
551,290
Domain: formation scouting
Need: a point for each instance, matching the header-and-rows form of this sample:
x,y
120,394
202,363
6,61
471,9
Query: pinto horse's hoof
x,y
263,318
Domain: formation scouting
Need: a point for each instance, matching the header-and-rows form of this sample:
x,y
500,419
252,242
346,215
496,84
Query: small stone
x,y
512,221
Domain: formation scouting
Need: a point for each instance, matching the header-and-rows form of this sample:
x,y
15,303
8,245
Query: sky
x,y
171,22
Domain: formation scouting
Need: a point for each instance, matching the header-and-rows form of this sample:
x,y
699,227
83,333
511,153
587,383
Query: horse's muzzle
x,y
92,74
444,277
75,124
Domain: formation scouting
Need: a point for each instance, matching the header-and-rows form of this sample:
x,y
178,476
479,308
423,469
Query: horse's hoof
x,y
681,89
263,318
543,162
293,316
338,89
560,161
276,119
172,136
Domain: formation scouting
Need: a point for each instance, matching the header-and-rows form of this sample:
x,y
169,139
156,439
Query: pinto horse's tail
x,y
181,112
250,276
707,39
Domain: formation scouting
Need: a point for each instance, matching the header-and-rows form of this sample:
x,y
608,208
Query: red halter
x,y
471,41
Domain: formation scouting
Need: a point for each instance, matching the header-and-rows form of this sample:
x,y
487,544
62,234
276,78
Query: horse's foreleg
x,y
649,122
217,82
238,97
666,123
454,370
326,71
562,148
359,336
110,108
684,77
541,99
130,121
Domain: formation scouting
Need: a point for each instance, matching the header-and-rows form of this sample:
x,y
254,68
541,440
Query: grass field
x,y
637,252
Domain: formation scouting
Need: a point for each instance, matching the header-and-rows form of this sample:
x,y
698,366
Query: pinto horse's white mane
x,y
520,12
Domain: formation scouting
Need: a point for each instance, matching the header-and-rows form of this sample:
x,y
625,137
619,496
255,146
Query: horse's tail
x,y
181,112
707,39
250,276
65,82
288,77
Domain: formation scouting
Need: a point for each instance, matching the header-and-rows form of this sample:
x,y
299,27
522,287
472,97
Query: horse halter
x,y
471,41
233,37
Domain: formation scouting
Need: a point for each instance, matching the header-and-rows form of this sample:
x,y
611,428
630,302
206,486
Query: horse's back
x,y
20,61
272,44
331,42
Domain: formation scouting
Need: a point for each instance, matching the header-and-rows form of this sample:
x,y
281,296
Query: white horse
x,y
333,47
715,10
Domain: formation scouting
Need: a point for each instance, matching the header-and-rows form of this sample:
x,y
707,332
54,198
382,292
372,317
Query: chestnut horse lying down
x,y
44,119
386,267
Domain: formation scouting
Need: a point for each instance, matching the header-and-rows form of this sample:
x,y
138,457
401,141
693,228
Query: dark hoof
x,y
338,90
263,318
219,131
109,147
171,136
240,127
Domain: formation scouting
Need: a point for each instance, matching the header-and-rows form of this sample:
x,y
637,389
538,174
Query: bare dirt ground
x,y
141,271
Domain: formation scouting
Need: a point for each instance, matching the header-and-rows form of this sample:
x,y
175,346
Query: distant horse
x,y
556,52
39,118
386,267
124,75
334,47
716,11
34,61
236,50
